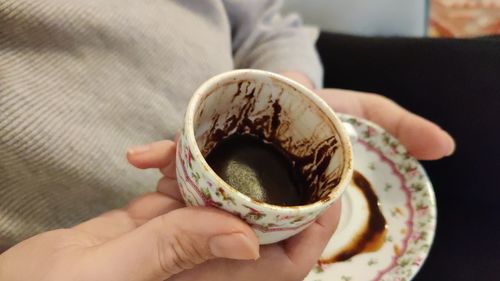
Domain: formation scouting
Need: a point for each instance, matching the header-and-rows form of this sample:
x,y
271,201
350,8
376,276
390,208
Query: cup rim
x,y
210,85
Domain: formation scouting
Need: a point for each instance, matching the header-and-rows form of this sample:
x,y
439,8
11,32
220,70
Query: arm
x,y
263,39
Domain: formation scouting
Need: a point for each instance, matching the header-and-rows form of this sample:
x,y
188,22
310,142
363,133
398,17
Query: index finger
x,y
154,155
423,139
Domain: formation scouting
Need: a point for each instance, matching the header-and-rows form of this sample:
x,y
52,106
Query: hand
x,y
156,238
153,238
423,139
289,260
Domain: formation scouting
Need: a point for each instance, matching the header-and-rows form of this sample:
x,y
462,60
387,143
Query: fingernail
x,y
453,145
452,150
234,246
138,149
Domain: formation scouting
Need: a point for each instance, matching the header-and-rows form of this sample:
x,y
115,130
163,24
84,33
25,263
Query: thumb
x,y
172,243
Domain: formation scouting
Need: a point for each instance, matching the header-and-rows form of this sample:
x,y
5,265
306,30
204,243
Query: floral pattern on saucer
x,y
407,202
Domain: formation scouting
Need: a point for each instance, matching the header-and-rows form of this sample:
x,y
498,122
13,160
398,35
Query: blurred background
x,y
434,18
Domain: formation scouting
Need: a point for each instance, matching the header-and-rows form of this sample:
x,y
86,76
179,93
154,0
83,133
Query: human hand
x,y
289,260
424,139
153,238
157,238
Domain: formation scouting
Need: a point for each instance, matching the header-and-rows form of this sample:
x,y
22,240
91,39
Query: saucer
x,y
406,201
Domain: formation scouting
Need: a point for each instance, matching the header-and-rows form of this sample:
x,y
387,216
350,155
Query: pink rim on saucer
x,y
406,200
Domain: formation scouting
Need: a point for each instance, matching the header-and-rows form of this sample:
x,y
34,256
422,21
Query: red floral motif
x,y
418,261
411,172
393,151
370,132
206,200
271,228
422,209
253,214
416,236
282,218
221,193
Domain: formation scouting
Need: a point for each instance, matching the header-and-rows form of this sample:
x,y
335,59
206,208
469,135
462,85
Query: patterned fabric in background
x,y
464,18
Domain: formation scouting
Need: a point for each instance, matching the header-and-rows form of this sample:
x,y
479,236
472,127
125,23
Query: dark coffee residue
x,y
311,159
372,237
258,169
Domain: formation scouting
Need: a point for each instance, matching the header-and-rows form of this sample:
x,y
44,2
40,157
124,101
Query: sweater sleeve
x,y
263,39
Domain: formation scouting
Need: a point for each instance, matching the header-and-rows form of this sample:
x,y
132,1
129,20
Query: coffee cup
x,y
279,113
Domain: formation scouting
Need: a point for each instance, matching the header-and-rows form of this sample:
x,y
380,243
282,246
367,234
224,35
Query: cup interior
x,y
279,112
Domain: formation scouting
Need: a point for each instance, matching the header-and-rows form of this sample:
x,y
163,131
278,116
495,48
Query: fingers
x,y
172,243
152,205
305,248
117,222
423,139
154,155
169,170
169,187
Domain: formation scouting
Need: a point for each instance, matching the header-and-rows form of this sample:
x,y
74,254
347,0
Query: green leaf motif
x,y
196,177
353,121
296,220
190,202
423,235
318,269
206,193
417,187
404,262
226,198
371,143
386,139
371,166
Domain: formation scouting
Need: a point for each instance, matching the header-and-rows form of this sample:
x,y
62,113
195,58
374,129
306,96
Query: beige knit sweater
x,y
82,80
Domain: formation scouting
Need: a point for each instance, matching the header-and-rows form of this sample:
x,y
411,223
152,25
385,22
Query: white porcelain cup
x,y
279,111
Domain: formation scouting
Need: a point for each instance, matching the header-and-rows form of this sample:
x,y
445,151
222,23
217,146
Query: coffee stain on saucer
x,y
372,235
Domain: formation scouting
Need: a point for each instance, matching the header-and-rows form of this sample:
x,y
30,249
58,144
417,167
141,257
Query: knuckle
x,y
294,271
178,252
382,99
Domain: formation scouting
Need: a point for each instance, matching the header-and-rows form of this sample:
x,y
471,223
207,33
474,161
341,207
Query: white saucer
x,y
406,200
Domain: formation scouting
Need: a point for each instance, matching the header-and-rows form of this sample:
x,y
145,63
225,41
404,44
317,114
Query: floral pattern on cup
x,y
198,192
275,109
